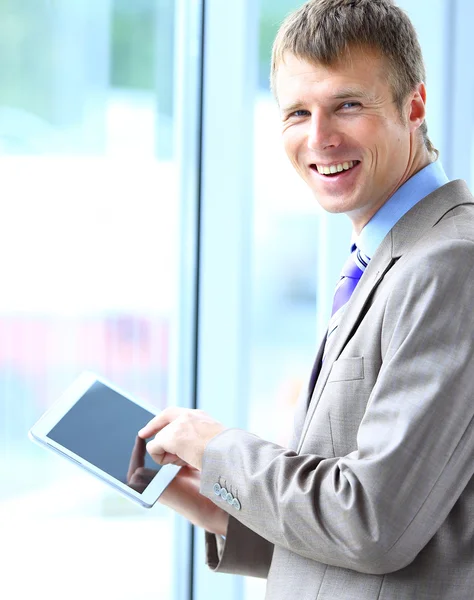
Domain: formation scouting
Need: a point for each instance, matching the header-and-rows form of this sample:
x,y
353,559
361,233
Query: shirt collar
x,y
426,181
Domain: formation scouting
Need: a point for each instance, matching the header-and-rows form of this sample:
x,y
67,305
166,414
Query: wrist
x,y
222,524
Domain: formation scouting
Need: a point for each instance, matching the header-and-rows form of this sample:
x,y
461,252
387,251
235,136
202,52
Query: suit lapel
x,y
301,409
404,234
355,310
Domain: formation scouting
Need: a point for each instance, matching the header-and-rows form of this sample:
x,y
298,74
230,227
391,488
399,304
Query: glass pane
x,y
284,278
88,239
283,339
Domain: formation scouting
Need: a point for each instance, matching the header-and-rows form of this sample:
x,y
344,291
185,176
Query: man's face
x,y
343,119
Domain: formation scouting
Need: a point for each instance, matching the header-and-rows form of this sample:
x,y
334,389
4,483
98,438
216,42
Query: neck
x,y
421,160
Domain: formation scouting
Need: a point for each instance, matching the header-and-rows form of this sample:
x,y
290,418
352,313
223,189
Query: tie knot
x,y
351,273
351,269
355,264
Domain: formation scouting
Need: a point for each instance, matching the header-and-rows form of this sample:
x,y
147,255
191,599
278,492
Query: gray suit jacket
x,y
375,498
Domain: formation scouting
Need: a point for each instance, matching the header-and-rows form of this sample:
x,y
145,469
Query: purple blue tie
x,y
350,275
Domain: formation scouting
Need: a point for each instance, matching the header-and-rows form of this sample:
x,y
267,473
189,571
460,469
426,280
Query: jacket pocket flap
x,y
347,369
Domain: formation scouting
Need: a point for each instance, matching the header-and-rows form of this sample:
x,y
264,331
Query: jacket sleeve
x,y
242,552
376,508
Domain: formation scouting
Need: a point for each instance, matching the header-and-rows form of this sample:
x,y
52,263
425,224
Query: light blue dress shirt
x,y
426,181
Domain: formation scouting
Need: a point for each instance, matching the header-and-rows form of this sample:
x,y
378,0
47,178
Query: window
x,y
285,233
91,215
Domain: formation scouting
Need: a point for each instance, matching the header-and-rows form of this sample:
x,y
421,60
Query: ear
x,y
417,107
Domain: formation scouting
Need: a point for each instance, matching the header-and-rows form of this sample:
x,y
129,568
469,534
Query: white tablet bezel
x,y
40,430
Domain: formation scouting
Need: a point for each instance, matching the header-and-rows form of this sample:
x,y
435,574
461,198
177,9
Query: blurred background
x,y
152,231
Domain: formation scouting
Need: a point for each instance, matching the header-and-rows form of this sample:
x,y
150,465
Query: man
x,y
374,499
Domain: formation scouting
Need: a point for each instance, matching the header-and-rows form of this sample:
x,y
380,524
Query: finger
x,y
156,450
162,448
157,423
172,459
160,451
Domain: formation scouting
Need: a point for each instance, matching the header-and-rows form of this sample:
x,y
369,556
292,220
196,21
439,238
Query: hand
x,y
181,436
183,496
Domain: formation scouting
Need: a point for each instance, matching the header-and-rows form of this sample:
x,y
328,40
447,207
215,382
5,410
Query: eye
x,y
349,105
299,113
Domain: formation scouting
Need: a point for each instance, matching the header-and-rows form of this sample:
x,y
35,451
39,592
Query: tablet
x,y
95,424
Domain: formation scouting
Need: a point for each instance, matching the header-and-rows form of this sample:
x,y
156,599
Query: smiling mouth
x,y
334,169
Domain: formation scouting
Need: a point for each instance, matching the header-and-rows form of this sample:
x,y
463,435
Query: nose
x,y
323,133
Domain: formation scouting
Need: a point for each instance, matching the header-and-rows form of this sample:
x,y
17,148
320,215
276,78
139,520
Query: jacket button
x,y
229,498
236,504
223,493
217,489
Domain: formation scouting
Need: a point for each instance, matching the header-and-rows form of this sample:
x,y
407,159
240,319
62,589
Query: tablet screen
x,y
102,428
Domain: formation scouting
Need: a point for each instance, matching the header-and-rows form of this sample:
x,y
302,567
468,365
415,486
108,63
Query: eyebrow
x,y
351,93
292,107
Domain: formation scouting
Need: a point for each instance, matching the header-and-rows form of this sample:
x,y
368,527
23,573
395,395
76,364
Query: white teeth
x,y
345,166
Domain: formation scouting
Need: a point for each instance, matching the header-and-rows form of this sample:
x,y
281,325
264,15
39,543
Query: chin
x,y
333,205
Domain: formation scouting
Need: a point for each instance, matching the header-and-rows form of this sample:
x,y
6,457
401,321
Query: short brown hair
x,y
324,31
